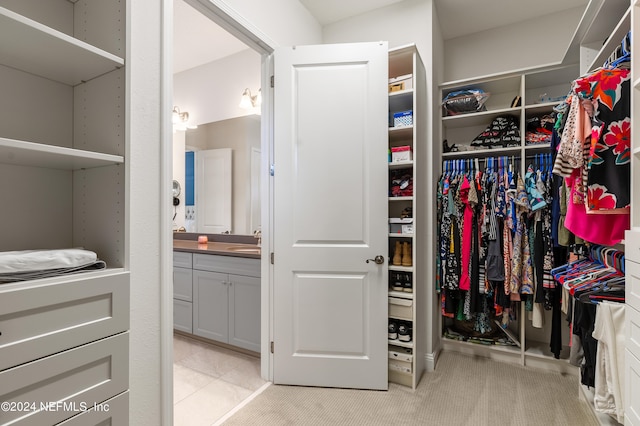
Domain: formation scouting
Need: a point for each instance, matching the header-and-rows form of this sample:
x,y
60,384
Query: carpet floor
x,y
463,391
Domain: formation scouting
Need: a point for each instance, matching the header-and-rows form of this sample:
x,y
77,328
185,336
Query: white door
x,y
330,201
213,191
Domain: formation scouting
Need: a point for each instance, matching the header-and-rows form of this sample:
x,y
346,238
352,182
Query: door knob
x,y
379,260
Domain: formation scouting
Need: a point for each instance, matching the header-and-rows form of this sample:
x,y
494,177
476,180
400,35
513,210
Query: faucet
x,y
257,234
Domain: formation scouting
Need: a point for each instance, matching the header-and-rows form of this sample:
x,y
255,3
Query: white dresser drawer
x,y
114,411
632,246
632,330
632,390
182,259
227,264
37,320
68,382
632,284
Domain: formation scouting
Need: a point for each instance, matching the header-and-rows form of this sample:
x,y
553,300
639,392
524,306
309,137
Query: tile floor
x,y
209,381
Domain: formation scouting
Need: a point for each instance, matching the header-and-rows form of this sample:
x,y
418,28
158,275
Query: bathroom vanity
x,y
216,290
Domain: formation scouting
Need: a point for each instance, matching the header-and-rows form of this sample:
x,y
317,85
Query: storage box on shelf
x,y
62,147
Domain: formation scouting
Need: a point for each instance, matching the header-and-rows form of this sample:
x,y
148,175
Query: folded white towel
x,y
40,260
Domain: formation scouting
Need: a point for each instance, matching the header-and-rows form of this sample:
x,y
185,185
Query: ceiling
x,y
197,40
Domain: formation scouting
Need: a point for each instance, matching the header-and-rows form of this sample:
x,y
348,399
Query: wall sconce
x,y
247,101
180,120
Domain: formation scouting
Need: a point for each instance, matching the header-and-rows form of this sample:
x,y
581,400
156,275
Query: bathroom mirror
x,y
242,136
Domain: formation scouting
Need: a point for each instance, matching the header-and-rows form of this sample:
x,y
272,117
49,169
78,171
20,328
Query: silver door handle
x,y
379,260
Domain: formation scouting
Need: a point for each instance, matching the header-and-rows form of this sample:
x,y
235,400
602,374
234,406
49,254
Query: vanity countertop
x,y
220,248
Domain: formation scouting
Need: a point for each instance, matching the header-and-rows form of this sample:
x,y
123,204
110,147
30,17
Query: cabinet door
x,y
183,316
182,284
244,312
210,308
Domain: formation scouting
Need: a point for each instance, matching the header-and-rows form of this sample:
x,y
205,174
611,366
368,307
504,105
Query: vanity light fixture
x,y
248,101
180,120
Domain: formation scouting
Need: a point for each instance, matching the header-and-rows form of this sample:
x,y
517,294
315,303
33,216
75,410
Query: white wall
x,y
534,42
212,92
284,22
144,162
399,24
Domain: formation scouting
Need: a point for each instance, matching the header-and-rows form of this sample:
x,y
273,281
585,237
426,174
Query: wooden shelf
x,y
24,153
400,294
401,268
477,118
29,46
497,152
400,165
613,41
401,344
393,235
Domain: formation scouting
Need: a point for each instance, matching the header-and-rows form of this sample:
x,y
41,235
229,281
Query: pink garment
x,y
606,230
467,236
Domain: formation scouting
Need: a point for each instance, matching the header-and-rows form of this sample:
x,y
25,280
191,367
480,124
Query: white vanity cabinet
x,y
224,299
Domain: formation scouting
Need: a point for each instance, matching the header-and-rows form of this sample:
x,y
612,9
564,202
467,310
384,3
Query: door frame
x,y
238,26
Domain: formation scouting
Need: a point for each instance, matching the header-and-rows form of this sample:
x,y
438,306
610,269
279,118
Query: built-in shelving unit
x,y
406,359
62,168
534,87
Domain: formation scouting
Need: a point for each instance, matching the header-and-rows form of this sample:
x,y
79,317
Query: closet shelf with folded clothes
x,y
25,265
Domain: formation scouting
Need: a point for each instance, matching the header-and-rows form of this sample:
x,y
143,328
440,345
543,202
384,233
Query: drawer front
x,y
42,319
69,382
632,286
183,316
632,327
632,385
401,308
183,284
114,411
182,259
227,264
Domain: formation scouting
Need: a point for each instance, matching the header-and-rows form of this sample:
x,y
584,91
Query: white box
x,y
403,82
401,354
400,225
401,308
400,154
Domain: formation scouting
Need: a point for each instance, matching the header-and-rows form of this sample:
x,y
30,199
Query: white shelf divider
x,y
613,41
30,46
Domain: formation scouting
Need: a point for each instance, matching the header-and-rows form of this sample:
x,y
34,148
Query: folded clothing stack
x,y
33,264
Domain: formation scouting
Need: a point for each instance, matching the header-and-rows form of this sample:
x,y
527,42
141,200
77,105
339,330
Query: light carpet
x,y
464,390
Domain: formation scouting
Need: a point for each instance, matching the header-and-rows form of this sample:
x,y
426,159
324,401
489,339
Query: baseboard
x,y
431,359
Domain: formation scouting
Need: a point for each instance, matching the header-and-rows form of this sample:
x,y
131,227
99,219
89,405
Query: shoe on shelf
x,y
407,285
404,332
398,284
406,254
397,254
393,330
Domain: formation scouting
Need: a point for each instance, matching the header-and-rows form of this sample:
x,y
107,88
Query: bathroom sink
x,y
250,250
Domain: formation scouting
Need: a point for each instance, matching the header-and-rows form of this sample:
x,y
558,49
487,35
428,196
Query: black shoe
x,y
393,330
404,332
398,285
407,285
